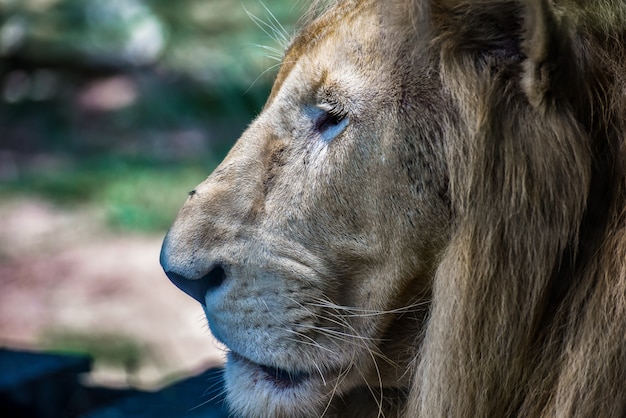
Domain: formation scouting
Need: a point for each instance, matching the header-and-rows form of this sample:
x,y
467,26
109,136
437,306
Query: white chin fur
x,y
251,393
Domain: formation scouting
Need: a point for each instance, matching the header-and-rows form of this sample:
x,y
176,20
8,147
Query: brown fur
x,y
529,313
459,249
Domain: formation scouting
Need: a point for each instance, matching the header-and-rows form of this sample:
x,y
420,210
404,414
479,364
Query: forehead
x,y
339,41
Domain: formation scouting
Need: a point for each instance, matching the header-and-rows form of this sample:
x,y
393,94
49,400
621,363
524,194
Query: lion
x,y
427,219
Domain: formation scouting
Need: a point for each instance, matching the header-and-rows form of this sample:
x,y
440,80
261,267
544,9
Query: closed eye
x,y
330,123
328,120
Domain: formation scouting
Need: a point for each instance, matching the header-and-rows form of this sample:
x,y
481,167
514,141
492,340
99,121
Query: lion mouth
x,y
279,378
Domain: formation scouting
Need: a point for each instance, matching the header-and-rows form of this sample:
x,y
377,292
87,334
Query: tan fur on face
x,y
457,247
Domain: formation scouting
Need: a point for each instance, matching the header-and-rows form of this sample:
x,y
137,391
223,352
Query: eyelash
x,y
332,115
329,118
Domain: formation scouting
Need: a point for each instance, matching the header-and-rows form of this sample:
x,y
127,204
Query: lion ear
x,y
549,63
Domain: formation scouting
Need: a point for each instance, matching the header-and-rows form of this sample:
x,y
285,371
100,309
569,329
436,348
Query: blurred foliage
x,y
107,349
130,103
139,196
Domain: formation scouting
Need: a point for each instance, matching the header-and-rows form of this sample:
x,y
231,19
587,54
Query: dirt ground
x,y
66,282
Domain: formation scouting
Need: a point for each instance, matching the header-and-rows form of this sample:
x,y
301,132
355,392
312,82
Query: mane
x,y
316,9
528,315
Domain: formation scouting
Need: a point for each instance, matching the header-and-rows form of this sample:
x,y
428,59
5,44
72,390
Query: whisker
x,y
273,28
379,402
261,75
277,27
353,337
313,344
350,337
221,394
356,341
218,380
340,379
363,312
274,53
345,335
320,372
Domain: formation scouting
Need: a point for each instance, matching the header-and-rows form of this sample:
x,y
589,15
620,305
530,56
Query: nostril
x,y
198,288
214,278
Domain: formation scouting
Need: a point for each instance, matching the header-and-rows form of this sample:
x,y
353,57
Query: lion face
x,y
427,218
312,246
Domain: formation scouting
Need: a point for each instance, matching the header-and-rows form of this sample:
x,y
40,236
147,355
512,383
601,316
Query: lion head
x,y
427,218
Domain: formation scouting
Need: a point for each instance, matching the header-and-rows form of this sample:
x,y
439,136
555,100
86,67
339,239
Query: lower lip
x,y
279,378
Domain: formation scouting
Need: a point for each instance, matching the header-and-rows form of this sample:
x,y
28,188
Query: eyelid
x,y
332,108
320,116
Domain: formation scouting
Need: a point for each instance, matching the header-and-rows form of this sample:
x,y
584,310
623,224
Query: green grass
x,y
110,349
135,196
147,199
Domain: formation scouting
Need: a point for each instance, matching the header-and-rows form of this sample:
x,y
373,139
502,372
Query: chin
x,y
255,390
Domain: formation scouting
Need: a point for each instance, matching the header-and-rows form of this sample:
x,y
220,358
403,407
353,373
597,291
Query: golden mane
x,y
529,308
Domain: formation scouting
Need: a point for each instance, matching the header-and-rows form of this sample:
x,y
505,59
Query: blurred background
x,y
110,112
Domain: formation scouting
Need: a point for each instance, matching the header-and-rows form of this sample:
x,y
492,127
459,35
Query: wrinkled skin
x,y
312,245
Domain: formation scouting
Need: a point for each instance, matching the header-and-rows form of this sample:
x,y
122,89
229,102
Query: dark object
x,y
39,385
200,396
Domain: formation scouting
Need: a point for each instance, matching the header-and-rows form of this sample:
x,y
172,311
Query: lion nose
x,y
198,288
188,281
